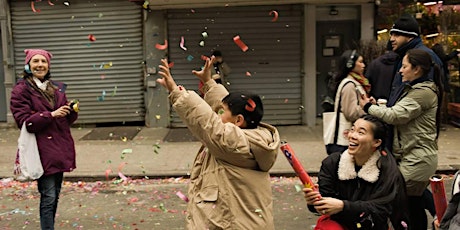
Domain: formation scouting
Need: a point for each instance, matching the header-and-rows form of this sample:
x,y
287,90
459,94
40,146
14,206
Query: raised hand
x,y
205,74
167,80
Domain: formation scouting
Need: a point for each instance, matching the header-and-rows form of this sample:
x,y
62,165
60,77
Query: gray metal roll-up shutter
x,y
107,93
273,59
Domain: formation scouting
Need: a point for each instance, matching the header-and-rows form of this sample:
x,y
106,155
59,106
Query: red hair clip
x,y
251,105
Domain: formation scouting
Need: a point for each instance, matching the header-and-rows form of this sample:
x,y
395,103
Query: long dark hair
x,y
421,58
346,63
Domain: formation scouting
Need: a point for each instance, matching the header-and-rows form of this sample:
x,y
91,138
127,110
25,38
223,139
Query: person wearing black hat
x,y
221,69
404,36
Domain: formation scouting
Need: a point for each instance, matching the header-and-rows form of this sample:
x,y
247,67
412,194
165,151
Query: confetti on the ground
x,y
182,196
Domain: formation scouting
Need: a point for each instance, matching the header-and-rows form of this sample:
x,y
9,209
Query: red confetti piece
x,y
240,43
107,172
162,47
182,196
204,57
275,15
250,106
120,167
50,3
32,5
170,65
91,37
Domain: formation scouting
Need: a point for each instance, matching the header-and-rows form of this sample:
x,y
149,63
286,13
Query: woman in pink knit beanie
x,y
41,105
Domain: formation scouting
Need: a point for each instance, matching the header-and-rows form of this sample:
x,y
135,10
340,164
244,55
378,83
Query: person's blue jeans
x,y
49,187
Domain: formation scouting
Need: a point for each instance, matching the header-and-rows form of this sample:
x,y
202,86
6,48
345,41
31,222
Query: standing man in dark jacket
x,y
380,73
404,36
41,105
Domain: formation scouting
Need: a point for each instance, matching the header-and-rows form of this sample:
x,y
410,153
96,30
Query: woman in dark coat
x,y
41,105
362,187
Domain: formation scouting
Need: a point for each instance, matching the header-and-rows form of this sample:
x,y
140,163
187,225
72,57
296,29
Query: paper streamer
x,y
162,47
240,43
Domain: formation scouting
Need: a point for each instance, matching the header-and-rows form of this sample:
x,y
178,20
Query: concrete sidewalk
x,y
95,158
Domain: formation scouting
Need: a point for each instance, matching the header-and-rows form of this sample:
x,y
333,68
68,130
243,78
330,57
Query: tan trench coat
x,y
229,183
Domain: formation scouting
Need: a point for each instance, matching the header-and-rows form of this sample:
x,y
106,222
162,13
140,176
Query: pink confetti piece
x,y
32,5
240,43
182,196
182,43
50,3
248,74
275,15
123,177
162,47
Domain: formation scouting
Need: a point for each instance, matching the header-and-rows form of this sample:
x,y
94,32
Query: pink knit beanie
x,y
32,52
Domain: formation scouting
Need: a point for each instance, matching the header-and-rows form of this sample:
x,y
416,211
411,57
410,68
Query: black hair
x,y
247,104
217,53
421,58
379,128
346,63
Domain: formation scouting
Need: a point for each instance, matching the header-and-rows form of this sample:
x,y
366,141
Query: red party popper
x,y
439,195
297,166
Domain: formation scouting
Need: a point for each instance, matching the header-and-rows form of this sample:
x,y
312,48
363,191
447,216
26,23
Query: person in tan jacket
x,y
229,183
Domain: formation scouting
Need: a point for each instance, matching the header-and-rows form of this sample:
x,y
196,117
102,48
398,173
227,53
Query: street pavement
x,y
90,200
147,155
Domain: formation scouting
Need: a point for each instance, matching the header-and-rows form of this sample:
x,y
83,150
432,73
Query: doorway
x,y
332,39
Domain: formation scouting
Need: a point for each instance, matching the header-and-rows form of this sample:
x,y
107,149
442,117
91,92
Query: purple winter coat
x,y
54,140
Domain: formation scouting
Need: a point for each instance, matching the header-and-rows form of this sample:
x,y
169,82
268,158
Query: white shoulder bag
x,y
28,165
331,120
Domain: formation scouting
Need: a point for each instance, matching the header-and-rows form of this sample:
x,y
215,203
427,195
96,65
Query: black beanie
x,y
406,25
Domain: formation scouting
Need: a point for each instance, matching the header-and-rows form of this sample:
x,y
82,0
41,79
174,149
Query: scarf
x,y
41,85
47,93
362,80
